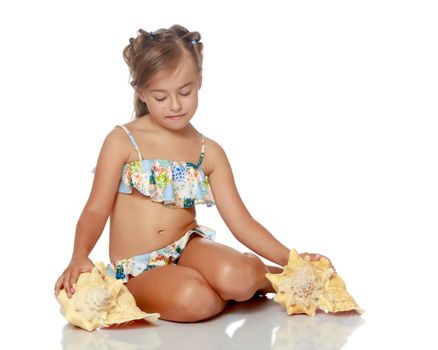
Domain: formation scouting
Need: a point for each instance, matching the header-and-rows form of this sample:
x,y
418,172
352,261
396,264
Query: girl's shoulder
x,y
214,152
212,145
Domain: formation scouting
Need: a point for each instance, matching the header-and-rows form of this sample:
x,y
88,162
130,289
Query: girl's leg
x,y
177,293
232,274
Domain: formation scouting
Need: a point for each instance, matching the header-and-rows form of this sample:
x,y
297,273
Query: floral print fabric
x,y
180,185
176,184
165,256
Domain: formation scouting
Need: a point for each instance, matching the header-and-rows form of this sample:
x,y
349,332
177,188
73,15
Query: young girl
x,y
150,174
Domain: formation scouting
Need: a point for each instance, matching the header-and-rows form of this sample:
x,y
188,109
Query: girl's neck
x,y
185,132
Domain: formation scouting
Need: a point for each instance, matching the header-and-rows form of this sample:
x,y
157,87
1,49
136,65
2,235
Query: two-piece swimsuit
x,y
178,184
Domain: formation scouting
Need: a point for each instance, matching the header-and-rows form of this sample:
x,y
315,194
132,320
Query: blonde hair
x,y
151,52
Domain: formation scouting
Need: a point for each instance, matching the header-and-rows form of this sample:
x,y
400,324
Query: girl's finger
x,y
58,283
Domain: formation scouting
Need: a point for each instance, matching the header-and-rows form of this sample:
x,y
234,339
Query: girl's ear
x,y
139,95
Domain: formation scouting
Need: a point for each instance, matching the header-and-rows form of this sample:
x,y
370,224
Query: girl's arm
x,y
88,230
104,189
234,213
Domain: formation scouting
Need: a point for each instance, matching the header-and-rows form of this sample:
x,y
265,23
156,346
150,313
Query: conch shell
x,y
99,302
305,285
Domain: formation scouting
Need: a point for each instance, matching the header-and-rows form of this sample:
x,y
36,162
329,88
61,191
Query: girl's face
x,y
170,94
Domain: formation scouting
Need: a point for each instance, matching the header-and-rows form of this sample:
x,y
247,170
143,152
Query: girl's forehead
x,y
183,73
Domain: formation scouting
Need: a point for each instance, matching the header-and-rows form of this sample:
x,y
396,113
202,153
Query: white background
x,y
327,111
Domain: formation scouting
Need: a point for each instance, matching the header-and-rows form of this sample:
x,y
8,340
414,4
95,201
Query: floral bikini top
x,y
177,184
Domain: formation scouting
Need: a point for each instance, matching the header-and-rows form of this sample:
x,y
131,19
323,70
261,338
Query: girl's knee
x,y
239,280
255,264
255,271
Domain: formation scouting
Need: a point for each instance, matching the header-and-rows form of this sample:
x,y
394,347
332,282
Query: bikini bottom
x,y
167,255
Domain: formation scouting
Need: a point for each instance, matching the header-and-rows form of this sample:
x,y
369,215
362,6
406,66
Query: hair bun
x,y
196,36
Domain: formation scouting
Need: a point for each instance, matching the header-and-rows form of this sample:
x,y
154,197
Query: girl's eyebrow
x,y
165,90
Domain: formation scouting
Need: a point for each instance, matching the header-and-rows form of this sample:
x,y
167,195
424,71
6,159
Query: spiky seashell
x,y
336,298
300,285
99,302
305,285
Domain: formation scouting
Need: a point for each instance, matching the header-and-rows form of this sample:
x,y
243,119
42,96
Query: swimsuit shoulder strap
x,y
132,140
201,157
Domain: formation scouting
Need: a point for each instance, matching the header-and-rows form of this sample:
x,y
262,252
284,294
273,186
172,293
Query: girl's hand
x,y
315,257
77,265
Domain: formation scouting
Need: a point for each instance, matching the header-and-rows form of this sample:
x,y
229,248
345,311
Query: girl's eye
x,y
162,99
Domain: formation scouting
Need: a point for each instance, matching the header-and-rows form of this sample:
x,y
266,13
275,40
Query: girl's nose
x,y
176,105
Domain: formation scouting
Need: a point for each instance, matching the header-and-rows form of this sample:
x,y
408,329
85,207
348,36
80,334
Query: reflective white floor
x,y
259,323
397,316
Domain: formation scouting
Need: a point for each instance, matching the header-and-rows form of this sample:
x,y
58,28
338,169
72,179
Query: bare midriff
x,y
139,225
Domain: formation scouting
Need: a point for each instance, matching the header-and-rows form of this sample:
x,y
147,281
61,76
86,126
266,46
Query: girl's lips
x,y
176,116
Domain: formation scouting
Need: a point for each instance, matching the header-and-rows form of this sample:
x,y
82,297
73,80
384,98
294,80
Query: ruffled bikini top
x,y
179,184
